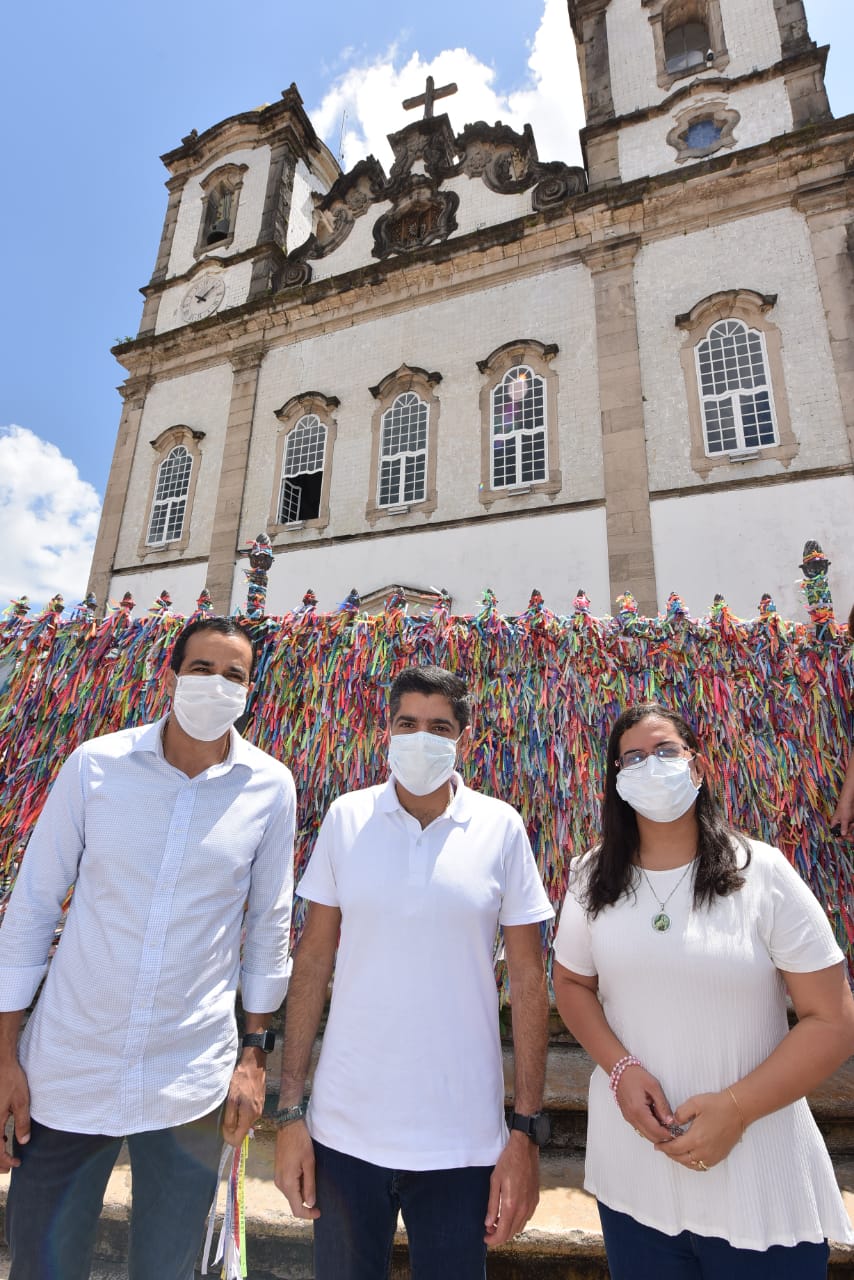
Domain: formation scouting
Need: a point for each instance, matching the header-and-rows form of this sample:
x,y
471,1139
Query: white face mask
x,y
421,762
661,790
207,706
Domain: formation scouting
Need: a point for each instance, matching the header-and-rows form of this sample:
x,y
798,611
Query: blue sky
x,y
93,94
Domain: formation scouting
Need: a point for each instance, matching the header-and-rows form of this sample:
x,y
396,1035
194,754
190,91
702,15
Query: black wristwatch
x,y
537,1127
263,1040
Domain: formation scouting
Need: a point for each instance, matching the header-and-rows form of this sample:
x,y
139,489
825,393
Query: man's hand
x,y
245,1100
843,815
715,1128
295,1169
514,1189
14,1101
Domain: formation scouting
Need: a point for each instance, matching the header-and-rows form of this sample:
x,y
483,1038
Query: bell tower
x,y
670,82
241,195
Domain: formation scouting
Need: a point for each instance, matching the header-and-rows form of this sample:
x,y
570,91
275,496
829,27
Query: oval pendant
x,y
661,922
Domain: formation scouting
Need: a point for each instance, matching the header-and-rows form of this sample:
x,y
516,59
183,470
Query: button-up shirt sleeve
x,y
48,870
264,971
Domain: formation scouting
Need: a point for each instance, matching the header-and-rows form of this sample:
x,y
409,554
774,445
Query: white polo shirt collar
x,y
458,811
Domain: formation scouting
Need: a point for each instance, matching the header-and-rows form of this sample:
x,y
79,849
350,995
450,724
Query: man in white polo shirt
x,y
407,1106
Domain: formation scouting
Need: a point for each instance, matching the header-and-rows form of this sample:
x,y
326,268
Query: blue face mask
x,y
421,762
661,790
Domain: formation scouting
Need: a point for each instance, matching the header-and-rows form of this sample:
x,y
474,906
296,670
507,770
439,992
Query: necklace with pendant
x,y
661,920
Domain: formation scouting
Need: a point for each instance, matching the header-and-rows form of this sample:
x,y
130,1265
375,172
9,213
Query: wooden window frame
x,y
163,445
422,383
751,309
290,415
537,356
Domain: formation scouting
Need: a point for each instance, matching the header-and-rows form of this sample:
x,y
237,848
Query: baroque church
x,y
487,368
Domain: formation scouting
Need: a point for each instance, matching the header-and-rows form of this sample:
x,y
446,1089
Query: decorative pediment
x,y
426,155
420,216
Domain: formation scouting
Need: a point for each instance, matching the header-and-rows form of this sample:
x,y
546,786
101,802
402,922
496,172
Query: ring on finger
x,y
701,1165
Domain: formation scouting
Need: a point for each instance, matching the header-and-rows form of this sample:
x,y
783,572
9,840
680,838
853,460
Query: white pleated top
x,y
702,1005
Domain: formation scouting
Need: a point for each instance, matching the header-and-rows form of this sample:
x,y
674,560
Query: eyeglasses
x,y
664,751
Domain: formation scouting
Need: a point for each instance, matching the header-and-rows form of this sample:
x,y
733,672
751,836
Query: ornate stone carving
x,y
426,153
421,216
429,141
558,183
506,161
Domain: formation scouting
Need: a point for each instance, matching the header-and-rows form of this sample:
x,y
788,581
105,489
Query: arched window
x,y
220,198
518,429
218,209
170,497
732,359
735,389
519,421
302,474
403,452
303,465
685,47
688,38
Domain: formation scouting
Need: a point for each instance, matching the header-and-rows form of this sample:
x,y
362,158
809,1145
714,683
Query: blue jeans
x,y
57,1192
443,1210
636,1252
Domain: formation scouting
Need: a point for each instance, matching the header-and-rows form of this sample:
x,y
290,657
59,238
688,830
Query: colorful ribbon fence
x,y
770,700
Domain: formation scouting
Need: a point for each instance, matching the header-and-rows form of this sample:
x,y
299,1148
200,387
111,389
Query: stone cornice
x,y
214,260
757,179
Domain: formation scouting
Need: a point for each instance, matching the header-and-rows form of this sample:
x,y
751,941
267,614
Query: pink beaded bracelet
x,y
617,1072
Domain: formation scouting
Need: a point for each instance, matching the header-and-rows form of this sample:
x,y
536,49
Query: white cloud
x,y
371,95
48,520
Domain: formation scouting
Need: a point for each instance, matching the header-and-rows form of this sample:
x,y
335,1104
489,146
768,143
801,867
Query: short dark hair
x,y
430,680
851,625
220,627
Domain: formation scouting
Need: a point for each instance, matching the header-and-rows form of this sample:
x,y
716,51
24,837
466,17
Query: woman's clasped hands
x,y
699,1134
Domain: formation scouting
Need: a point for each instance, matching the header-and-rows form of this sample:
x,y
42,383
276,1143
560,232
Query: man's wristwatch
x,y
263,1040
287,1115
537,1128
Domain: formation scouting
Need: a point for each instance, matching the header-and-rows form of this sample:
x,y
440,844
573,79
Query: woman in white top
x,y
677,941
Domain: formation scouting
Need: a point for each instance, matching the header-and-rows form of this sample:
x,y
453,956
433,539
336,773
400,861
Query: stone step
x,y
568,1071
563,1241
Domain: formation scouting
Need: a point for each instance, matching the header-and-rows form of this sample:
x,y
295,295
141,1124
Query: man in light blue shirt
x,y
167,832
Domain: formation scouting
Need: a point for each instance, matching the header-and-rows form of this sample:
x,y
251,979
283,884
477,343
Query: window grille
x,y
518,429
302,473
403,452
170,497
738,409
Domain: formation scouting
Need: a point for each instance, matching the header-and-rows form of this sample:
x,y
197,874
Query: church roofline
x,y
262,120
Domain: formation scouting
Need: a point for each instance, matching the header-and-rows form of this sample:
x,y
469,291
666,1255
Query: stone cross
x,y
428,97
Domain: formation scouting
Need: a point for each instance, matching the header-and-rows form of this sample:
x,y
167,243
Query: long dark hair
x,y
611,874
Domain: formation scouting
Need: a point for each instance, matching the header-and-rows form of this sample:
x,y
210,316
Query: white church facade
x,y
485,369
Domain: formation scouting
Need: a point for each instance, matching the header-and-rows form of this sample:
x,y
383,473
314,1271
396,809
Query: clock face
x,y
202,298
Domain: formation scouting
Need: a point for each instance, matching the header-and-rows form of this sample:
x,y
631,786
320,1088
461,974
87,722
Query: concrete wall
x,y
200,401
184,583
743,542
751,34
769,253
557,553
765,112
449,338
